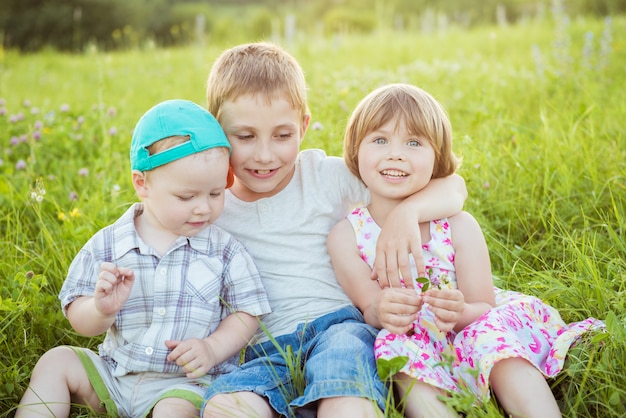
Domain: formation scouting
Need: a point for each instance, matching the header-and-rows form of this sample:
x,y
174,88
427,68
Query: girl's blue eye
x,y
413,143
380,141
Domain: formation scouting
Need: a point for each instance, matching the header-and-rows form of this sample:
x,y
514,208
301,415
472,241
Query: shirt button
x,y
163,271
149,351
161,311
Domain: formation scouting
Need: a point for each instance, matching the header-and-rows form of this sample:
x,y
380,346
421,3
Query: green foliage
x,y
387,369
261,24
538,114
341,20
76,25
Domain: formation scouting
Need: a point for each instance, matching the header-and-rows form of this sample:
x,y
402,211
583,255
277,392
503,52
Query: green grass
x,y
540,128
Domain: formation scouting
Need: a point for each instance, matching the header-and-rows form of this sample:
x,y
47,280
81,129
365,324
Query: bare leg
x,y
175,407
239,404
58,380
522,390
421,399
348,406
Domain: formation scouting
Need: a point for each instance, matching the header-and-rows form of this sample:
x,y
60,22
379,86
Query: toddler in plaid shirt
x,y
177,296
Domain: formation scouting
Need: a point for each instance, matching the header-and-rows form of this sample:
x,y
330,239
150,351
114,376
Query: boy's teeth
x,y
394,173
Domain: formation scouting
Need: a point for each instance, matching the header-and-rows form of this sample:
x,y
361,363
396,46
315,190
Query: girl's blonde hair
x,y
259,68
422,114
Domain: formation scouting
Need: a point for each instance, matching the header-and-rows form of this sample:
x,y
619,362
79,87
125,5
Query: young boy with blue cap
x,y
177,297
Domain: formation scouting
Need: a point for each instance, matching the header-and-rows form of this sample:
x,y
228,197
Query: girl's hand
x,y
447,305
397,308
193,355
112,288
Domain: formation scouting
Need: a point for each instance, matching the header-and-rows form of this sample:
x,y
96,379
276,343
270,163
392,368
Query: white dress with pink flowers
x,y
519,326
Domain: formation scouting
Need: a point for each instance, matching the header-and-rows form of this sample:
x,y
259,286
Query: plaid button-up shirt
x,y
184,294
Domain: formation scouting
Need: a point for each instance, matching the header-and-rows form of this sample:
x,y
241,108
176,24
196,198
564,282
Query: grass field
x,y
538,111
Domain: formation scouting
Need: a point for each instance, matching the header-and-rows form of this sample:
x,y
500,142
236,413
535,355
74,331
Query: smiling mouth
x,y
394,173
264,172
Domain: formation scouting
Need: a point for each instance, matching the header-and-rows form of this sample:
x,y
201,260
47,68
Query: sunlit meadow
x,y
538,111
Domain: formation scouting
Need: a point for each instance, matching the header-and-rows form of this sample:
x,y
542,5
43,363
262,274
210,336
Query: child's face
x,y
184,196
393,163
266,140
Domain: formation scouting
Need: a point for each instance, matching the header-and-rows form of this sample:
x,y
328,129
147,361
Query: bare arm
x,y
232,334
391,308
473,273
86,319
400,235
91,316
199,356
473,267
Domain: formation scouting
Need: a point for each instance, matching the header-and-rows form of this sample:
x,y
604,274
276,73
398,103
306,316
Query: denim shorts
x,y
332,356
135,394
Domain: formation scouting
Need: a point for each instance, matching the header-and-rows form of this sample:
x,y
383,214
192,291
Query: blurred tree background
x,y
75,25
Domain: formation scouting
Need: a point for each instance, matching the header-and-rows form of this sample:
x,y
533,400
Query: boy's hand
x,y
397,309
193,355
447,305
399,237
112,288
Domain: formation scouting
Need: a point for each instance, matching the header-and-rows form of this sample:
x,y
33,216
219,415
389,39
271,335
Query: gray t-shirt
x,y
286,236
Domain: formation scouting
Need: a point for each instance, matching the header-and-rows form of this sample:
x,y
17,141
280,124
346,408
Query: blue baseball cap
x,y
174,118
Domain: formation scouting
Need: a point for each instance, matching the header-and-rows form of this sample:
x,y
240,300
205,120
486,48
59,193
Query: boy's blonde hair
x,y
421,113
260,68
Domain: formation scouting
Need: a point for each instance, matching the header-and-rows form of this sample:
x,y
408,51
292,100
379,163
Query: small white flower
x,y
317,126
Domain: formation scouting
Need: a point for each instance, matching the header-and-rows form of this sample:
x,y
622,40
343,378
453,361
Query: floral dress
x,y
519,325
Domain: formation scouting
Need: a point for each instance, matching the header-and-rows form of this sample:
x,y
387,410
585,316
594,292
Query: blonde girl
x,y
458,332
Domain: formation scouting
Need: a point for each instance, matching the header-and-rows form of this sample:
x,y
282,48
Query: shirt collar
x,y
127,238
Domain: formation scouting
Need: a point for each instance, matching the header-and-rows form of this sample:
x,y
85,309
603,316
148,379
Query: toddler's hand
x,y
447,305
112,288
193,355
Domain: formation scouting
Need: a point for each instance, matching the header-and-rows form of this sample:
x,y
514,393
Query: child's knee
x,y
169,407
58,358
238,404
